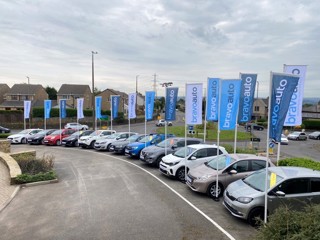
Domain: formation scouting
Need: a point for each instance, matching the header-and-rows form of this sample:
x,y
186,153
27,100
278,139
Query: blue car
x,y
134,149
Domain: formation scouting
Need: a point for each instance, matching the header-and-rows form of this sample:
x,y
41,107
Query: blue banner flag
x,y
194,103
248,87
27,108
283,86
229,99
80,108
115,101
171,102
213,99
98,101
47,108
63,108
132,97
150,95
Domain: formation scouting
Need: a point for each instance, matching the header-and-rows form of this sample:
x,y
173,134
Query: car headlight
x,y
244,200
204,177
134,148
173,163
16,137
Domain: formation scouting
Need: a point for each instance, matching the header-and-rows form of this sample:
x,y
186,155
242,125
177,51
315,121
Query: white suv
x,y
88,141
76,126
174,164
104,143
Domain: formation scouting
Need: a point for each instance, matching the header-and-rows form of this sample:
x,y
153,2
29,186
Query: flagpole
x,y
218,143
278,153
165,137
205,118
111,108
60,118
267,154
145,124
185,137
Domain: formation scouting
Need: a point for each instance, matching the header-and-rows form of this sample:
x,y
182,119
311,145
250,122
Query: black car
x,y
4,130
153,154
253,126
72,140
119,146
315,135
38,137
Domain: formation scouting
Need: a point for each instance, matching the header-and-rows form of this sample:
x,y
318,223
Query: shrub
x,y
35,166
292,225
230,149
312,124
27,178
300,162
4,135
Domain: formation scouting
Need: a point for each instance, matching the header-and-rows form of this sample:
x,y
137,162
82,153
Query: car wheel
x,y
180,174
42,141
76,143
255,216
170,124
92,144
108,147
157,163
212,190
58,142
24,140
318,138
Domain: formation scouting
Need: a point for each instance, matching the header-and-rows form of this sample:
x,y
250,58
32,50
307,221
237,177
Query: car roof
x,y
293,172
243,156
199,146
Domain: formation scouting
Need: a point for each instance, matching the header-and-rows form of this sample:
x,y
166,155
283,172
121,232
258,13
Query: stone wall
x,y
5,146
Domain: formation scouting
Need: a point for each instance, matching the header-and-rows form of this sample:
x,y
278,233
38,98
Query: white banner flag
x,y
27,107
80,108
194,103
294,114
132,105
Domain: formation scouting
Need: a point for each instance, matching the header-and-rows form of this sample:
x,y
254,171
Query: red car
x,y
54,138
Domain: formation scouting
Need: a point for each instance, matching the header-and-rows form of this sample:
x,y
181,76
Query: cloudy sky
x,y
51,42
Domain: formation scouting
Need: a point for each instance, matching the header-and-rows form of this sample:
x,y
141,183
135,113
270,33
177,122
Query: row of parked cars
x,y
241,177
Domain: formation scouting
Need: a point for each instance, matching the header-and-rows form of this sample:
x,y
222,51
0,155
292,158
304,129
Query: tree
x,y
52,92
96,91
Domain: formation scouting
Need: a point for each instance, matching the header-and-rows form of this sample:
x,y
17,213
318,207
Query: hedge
x,y
300,162
38,112
312,124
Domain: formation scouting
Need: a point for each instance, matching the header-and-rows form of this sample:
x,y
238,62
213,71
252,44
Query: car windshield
x,y
146,139
95,133
283,136
57,132
295,133
133,138
181,152
257,179
75,134
112,136
43,132
221,162
315,133
24,131
168,142
86,133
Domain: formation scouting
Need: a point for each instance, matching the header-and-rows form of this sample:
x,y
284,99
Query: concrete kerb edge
x,y
56,180
15,192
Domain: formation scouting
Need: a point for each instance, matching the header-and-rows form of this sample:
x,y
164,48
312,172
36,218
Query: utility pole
x,y
137,92
94,127
155,84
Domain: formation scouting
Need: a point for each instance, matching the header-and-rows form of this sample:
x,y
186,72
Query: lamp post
x,y
257,89
137,92
93,97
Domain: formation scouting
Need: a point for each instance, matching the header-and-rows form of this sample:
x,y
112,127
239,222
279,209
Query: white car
x,y
174,164
76,126
163,122
88,141
284,140
22,136
104,143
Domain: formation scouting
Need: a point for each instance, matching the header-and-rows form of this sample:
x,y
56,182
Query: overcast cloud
x,y
181,41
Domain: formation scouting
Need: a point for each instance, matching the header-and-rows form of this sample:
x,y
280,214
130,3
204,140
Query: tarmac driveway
x,y
100,197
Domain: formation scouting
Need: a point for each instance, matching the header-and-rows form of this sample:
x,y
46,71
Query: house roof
x,y
25,89
66,89
115,92
2,85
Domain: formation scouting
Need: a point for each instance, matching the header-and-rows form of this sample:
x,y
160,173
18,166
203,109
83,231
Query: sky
x,y
137,41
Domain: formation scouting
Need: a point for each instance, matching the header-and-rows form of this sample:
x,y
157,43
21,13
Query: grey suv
x,y
290,186
153,154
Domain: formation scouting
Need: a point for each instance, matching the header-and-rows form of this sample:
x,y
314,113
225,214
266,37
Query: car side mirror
x,y
280,194
233,171
193,158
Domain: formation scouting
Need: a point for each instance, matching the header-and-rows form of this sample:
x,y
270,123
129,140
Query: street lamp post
x,y
94,126
137,92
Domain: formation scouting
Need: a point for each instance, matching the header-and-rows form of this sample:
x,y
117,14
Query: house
x,y
106,104
140,100
260,108
14,98
4,88
71,92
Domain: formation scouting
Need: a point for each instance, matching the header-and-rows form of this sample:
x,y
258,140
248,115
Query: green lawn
x,y
211,133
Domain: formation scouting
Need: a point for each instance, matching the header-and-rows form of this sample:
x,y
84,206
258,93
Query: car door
x,y
296,192
243,169
197,158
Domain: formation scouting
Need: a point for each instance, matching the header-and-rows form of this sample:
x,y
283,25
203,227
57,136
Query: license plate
x,y
46,141
189,180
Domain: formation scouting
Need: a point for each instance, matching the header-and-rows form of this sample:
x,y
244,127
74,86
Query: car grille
x,y
232,198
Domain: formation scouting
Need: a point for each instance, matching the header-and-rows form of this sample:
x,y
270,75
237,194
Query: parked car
x,y
38,137
196,154
163,122
153,154
4,130
253,126
288,186
134,149
119,146
298,136
88,141
314,135
284,140
230,167
76,126
56,137
73,139
22,136
104,143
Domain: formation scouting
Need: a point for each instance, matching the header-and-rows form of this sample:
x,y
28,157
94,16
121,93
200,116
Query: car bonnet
x,y
240,189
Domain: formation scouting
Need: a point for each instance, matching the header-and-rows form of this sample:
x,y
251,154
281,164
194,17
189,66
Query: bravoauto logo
x,y
278,98
230,105
247,100
213,101
149,106
293,107
132,105
171,104
194,105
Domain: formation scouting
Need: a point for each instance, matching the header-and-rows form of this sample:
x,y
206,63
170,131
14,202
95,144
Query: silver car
x,y
290,186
